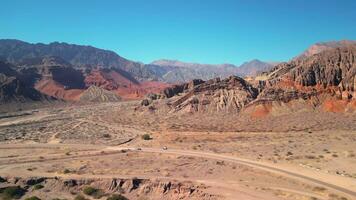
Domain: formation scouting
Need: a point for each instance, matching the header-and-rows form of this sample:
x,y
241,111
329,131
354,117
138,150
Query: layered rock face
x,y
230,94
97,94
176,89
331,69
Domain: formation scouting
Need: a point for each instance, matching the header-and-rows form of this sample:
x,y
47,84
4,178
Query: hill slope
x,y
14,89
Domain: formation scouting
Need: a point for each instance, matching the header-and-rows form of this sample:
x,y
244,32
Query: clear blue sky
x,y
205,31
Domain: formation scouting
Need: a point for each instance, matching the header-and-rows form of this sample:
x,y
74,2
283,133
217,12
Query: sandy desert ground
x,y
65,148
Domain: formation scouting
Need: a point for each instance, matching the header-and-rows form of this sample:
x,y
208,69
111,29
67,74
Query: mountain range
x,y
65,71
88,57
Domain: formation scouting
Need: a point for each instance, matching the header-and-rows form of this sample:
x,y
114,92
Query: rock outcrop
x,y
334,69
131,188
97,94
230,94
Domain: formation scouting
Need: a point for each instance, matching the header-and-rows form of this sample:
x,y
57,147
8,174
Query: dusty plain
x,y
66,148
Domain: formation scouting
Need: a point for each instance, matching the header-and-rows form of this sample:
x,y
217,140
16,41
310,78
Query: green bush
x,y
38,187
12,192
89,190
96,193
117,197
80,197
146,136
33,198
66,171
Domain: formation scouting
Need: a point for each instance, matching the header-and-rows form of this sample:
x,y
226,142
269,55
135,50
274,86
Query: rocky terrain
x,y
322,46
230,94
324,81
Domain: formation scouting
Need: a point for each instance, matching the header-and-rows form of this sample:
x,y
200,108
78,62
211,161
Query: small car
x,y
139,149
164,148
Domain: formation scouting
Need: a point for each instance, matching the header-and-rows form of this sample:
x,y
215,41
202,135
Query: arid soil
x,y
66,148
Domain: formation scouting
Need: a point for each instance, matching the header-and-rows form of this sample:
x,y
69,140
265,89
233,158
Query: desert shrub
x,y
12,192
89,190
310,157
33,198
38,187
80,197
66,171
146,136
319,189
96,193
117,197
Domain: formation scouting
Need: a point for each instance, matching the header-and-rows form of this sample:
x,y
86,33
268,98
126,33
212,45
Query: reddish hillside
x,y
122,83
54,89
140,90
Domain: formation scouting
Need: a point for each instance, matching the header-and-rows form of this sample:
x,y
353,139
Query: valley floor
x,y
94,144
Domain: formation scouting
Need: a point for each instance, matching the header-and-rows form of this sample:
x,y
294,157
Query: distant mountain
x,y
254,67
176,71
322,46
16,51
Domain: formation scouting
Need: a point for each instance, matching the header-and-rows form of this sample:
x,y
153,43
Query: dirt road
x,y
250,163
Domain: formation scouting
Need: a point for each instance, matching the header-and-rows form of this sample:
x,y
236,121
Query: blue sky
x,y
205,31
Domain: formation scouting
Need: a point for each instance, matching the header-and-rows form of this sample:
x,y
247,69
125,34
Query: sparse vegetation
x,y
12,192
96,193
117,197
38,187
89,190
66,171
310,157
319,189
146,137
